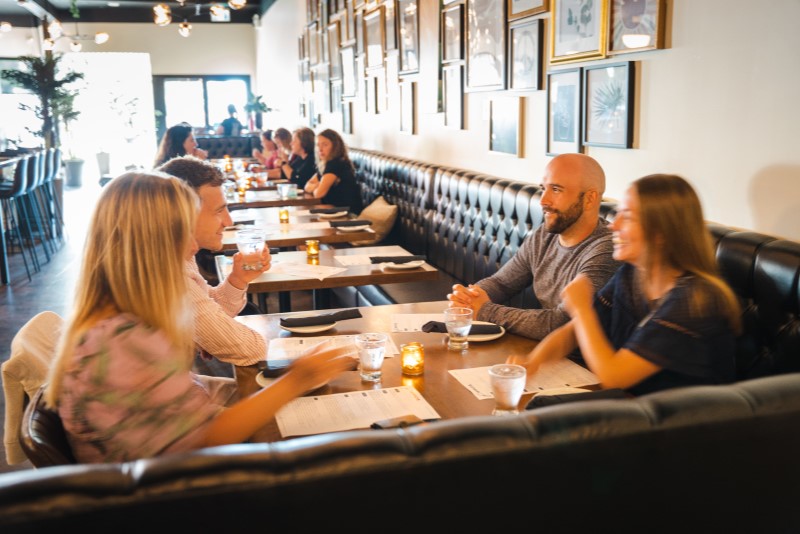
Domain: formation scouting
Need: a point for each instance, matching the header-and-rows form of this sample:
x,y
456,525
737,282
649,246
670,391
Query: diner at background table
x,y
444,392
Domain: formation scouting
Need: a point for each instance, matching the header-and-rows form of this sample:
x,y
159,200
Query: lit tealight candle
x,y
412,358
312,247
283,215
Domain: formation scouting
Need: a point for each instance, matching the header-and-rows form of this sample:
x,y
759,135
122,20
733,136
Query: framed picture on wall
x,y
608,105
408,108
372,94
334,42
347,117
408,45
311,10
453,90
312,38
518,9
525,54
486,48
636,26
359,24
374,38
453,34
578,31
390,7
505,125
563,112
348,60
349,28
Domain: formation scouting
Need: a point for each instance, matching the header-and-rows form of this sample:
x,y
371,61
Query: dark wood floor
x,y
51,288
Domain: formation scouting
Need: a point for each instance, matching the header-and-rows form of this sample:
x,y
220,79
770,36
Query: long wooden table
x,y
271,199
288,235
444,393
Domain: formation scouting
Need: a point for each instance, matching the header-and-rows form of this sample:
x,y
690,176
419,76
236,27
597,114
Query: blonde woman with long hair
x,y
122,380
666,318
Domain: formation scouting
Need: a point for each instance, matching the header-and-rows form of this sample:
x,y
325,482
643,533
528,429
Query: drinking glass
x,y
508,383
458,322
371,349
251,244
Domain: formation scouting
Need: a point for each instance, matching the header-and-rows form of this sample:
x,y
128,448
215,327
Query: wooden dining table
x,y
353,275
296,231
449,397
271,199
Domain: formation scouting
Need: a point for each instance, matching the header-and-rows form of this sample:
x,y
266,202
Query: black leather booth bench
x,y
218,146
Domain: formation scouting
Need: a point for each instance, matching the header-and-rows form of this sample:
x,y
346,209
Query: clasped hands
x,y
471,296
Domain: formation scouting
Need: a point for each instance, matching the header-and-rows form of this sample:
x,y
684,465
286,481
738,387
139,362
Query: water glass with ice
x,y
371,349
508,383
458,322
251,244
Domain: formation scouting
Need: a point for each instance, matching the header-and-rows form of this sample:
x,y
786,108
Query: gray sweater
x,y
542,261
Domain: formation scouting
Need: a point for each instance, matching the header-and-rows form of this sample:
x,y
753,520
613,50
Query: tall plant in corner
x,y
41,77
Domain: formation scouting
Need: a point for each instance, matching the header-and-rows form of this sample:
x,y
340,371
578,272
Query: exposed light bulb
x,y
185,29
101,37
5,26
48,44
237,4
162,14
55,29
75,46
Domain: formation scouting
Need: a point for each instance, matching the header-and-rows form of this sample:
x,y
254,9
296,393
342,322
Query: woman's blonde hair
x,y
133,262
673,224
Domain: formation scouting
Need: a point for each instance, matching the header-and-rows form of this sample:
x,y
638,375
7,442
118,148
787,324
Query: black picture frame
x,y
564,111
486,45
505,125
453,93
408,35
525,39
408,107
453,33
375,38
608,105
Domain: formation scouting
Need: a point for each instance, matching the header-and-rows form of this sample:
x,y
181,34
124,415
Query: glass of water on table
x,y
458,322
251,244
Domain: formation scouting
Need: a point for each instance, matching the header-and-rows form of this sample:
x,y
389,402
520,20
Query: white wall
x,y
718,106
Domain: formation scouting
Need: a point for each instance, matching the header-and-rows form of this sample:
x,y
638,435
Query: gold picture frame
x,y
636,26
519,9
577,33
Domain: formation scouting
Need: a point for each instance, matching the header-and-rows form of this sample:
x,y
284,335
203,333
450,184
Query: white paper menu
x,y
347,411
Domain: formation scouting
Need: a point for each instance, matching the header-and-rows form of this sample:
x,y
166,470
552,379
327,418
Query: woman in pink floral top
x,y
122,380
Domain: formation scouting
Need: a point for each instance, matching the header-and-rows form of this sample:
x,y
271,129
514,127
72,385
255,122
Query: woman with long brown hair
x,y
666,318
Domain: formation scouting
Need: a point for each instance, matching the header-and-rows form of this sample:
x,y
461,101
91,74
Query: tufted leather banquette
x,y
218,146
469,224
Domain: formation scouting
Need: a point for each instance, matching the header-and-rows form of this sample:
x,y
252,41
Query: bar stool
x,y
52,166
29,207
9,197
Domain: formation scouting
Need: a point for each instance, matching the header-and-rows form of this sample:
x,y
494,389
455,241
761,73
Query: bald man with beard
x,y
573,239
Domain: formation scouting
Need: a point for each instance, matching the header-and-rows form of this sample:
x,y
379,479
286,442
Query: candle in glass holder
x,y
312,260
412,358
283,215
312,248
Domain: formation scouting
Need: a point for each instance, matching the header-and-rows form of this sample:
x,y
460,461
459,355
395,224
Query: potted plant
x,y
73,165
40,77
255,108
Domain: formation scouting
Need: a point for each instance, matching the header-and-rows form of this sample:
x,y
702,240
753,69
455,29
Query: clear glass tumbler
x,y
458,322
371,349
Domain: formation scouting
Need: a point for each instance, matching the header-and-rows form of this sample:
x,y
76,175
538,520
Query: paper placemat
x,y
290,348
412,322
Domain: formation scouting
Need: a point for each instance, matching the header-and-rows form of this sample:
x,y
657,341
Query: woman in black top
x,y
178,141
335,182
301,165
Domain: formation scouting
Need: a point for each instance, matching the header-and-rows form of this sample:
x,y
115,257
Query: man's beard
x,y
565,219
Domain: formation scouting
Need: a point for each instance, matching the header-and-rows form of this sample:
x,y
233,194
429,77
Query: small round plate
x,y
332,215
485,337
402,266
353,228
309,329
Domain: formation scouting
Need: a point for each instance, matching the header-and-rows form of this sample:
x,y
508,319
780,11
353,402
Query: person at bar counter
x,y
216,331
572,240
230,126
301,165
178,140
121,380
666,318
335,181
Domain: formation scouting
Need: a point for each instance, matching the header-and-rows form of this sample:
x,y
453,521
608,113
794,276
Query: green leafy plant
x,y
73,9
255,105
56,100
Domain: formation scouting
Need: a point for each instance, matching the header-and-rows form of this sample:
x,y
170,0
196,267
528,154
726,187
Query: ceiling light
x,y
5,26
55,29
75,46
220,13
48,44
162,14
101,37
185,29
237,4
113,4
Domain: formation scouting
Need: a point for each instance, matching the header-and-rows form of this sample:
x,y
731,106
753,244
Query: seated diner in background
x,y
268,155
301,165
335,181
178,140
573,239
121,380
666,319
